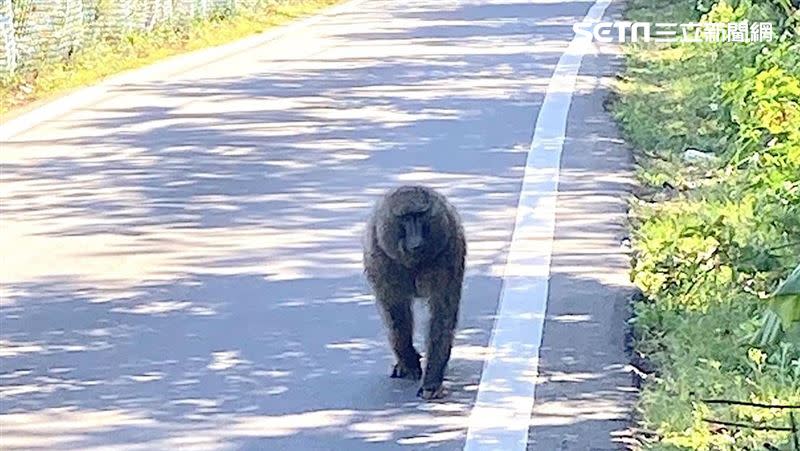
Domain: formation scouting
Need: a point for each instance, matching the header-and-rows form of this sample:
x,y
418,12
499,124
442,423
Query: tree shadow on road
x,y
188,259
222,359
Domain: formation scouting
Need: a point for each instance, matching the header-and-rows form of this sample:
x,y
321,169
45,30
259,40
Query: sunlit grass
x,y
709,239
114,55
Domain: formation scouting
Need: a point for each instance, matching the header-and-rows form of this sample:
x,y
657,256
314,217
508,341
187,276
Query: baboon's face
x,y
414,231
415,228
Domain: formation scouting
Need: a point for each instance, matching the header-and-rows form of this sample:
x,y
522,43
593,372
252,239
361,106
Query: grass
x,y
112,55
711,239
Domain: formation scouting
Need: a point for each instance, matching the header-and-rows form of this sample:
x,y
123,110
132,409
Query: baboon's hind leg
x,y
444,317
400,324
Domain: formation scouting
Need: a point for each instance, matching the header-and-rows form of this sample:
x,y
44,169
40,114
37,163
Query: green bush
x,y
729,230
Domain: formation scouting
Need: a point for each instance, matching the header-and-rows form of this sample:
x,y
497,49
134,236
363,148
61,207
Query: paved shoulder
x,y
584,392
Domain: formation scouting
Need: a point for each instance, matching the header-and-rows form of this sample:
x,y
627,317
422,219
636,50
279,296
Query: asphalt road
x,y
182,265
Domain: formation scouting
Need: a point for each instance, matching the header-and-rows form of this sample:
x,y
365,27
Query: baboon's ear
x,y
436,209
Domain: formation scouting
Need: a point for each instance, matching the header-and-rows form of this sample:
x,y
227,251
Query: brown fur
x,y
433,270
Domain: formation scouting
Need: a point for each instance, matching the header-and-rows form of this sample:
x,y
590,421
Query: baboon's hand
x,y
407,372
429,393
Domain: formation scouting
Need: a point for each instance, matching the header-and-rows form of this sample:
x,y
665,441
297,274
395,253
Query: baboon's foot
x,y
407,371
429,392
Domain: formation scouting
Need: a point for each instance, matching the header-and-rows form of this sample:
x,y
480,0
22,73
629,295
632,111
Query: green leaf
x,y
791,285
770,330
788,308
785,303
793,333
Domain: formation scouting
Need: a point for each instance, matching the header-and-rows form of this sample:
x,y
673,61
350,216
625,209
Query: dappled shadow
x,y
216,359
186,267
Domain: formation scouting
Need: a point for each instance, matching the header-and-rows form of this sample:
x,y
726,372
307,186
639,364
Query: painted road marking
x,y
501,416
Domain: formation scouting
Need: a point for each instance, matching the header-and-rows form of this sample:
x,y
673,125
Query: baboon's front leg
x,y
444,317
400,324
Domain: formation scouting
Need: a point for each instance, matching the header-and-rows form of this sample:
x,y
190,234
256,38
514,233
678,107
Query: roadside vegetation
x,y
111,55
716,227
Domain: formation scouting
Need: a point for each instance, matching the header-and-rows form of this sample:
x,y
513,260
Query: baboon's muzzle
x,y
414,238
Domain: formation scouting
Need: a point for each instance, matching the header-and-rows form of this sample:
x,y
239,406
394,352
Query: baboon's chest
x,y
425,283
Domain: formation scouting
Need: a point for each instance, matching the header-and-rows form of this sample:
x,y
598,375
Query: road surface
x,y
182,264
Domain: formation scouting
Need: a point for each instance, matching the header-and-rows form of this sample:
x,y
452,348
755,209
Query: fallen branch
x,y
750,404
748,426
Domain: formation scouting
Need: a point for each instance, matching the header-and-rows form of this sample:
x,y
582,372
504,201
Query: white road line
x,y
164,69
501,416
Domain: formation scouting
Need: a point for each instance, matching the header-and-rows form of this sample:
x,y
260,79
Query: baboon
x,y
415,248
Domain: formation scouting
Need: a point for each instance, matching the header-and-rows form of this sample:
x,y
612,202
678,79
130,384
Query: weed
x,y
706,257
106,56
